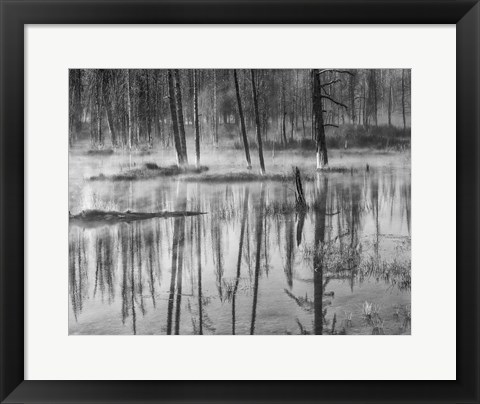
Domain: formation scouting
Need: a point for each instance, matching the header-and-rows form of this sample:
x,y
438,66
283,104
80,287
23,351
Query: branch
x,y
330,83
330,124
334,101
336,71
324,90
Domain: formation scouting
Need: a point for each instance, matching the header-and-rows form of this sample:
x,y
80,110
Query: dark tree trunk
x,y
148,118
403,101
242,121
195,118
129,110
75,103
319,130
284,110
390,100
302,110
181,122
215,112
98,106
352,98
108,107
173,113
375,98
257,123
365,122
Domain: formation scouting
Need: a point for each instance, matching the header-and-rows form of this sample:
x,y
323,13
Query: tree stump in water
x,y
299,195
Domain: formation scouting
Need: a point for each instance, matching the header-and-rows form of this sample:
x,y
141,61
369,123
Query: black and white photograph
x,y
239,201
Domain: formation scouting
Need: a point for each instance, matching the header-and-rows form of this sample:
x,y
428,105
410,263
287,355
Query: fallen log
x,y
95,217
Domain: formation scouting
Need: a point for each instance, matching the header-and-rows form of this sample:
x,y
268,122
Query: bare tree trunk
x,y
75,103
292,122
111,125
375,107
181,122
265,124
215,112
257,123
302,104
390,99
284,110
364,102
352,98
195,118
108,107
70,115
403,101
322,157
294,112
148,114
129,110
242,121
162,115
156,122
173,112
136,118
98,105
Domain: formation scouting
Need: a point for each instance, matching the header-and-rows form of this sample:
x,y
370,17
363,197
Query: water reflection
x,y
252,265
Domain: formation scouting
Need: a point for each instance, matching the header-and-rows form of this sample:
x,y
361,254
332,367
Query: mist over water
x,y
252,264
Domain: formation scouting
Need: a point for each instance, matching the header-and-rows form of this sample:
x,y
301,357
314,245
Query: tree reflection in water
x,y
252,264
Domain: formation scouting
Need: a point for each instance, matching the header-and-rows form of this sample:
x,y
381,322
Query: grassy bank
x,y
249,176
193,174
149,171
99,152
346,136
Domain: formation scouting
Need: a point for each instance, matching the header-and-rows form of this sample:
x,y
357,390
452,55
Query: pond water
x,y
251,264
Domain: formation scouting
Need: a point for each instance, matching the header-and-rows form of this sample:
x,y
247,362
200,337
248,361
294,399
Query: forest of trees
x,y
142,108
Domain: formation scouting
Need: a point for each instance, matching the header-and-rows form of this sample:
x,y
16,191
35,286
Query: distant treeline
x,y
112,105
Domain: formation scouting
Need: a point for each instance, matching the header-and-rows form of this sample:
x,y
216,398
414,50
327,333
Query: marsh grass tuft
x,y
371,313
407,320
397,272
94,202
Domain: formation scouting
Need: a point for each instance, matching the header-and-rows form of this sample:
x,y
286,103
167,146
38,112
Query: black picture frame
x,y
16,14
